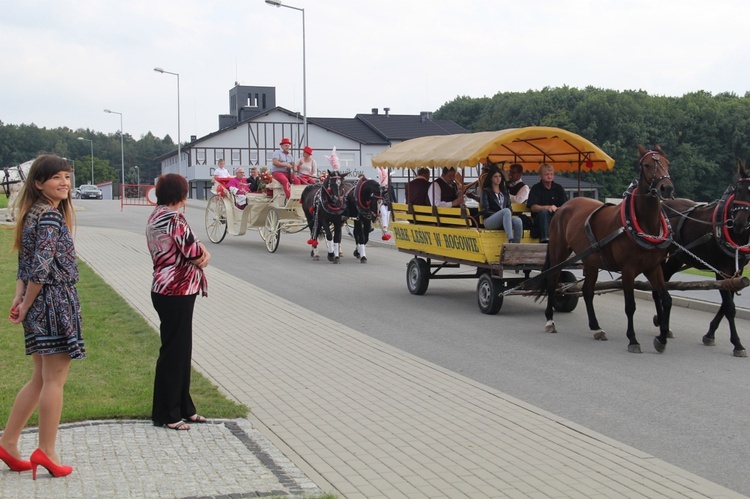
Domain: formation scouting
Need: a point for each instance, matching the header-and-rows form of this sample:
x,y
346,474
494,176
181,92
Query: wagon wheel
x,y
272,231
417,276
566,303
489,299
216,219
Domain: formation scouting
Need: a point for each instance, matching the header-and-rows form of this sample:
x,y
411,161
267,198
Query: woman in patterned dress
x,y
179,259
46,303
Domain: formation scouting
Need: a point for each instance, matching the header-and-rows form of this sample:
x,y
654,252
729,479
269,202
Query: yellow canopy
x,y
529,147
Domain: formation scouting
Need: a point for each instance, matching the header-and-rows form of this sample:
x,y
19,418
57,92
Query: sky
x,y
62,62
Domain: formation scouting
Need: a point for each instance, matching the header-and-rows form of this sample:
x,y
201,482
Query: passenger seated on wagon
x,y
545,197
221,172
495,203
474,189
444,191
252,180
416,190
307,168
519,192
238,186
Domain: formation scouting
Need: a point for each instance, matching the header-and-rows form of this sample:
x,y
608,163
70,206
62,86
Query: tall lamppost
x,y
138,171
277,3
179,150
92,158
122,146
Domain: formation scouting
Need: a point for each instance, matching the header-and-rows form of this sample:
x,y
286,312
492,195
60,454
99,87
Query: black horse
x,y
713,237
362,203
325,208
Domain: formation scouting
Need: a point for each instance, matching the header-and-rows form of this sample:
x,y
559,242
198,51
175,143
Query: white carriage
x,y
269,212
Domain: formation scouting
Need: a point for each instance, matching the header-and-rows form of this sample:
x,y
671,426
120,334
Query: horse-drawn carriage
x,y
269,211
443,239
631,239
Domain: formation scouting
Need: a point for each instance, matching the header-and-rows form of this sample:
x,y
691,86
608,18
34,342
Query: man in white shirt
x,y
444,191
519,192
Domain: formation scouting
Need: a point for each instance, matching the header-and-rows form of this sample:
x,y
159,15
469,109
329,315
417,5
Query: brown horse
x,y
713,237
631,238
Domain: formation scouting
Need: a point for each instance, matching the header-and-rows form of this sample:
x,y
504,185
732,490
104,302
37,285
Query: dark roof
x,y
352,128
408,126
370,129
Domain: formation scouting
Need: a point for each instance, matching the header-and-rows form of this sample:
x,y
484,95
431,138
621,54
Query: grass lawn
x,y
115,380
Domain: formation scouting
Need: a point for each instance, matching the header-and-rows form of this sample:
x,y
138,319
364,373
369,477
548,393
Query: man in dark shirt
x,y
545,197
416,190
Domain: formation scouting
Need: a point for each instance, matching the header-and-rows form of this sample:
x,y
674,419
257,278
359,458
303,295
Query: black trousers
x,y
172,400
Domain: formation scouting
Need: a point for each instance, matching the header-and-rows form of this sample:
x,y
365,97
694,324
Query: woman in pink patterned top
x,y
179,258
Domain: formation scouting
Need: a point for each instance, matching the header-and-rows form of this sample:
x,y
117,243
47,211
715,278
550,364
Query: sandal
x,y
179,426
196,418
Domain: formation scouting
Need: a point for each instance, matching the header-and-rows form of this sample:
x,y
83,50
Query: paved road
x,y
660,404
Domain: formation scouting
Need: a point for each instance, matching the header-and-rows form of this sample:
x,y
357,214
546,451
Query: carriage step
x,y
527,255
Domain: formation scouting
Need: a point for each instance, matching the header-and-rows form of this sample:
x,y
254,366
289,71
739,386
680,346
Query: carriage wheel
x,y
417,276
216,219
489,299
272,231
565,303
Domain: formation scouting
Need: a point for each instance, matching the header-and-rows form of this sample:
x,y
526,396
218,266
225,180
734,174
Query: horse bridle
x,y
738,205
657,166
333,201
363,207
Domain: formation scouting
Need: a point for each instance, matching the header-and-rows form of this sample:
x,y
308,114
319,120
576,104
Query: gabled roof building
x,y
250,134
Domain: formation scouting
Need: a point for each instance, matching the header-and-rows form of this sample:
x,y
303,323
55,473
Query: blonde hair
x,y
42,169
546,167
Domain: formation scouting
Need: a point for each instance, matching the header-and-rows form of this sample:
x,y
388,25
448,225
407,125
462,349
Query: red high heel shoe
x,y
13,463
56,470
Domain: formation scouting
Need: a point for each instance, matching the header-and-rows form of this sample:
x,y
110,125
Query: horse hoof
x,y
740,353
316,258
550,327
330,257
363,259
600,336
670,334
356,254
659,345
708,341
634,348
335,259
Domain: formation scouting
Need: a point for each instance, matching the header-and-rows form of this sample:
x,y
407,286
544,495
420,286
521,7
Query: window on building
x,y
218,155
200,156
253,157
236,156
346,160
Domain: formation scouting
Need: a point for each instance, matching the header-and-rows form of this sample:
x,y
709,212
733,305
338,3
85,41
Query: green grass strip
x,y
115,380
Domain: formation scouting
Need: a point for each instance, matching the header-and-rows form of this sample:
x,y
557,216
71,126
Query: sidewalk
x,y
355,416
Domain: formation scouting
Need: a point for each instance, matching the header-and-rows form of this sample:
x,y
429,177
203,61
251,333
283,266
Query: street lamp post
x,y
138,171
122,147
92,158
277,3
179,150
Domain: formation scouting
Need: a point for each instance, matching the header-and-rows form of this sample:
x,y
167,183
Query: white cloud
x,y
62,62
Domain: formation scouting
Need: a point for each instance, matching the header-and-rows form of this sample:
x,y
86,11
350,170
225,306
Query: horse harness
x,y
335,206
724,213
363,206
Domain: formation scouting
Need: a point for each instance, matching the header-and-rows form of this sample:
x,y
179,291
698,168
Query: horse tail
x,y
542,281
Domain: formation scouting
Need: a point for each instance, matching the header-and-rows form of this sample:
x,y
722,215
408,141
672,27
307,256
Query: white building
x,y
250,134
